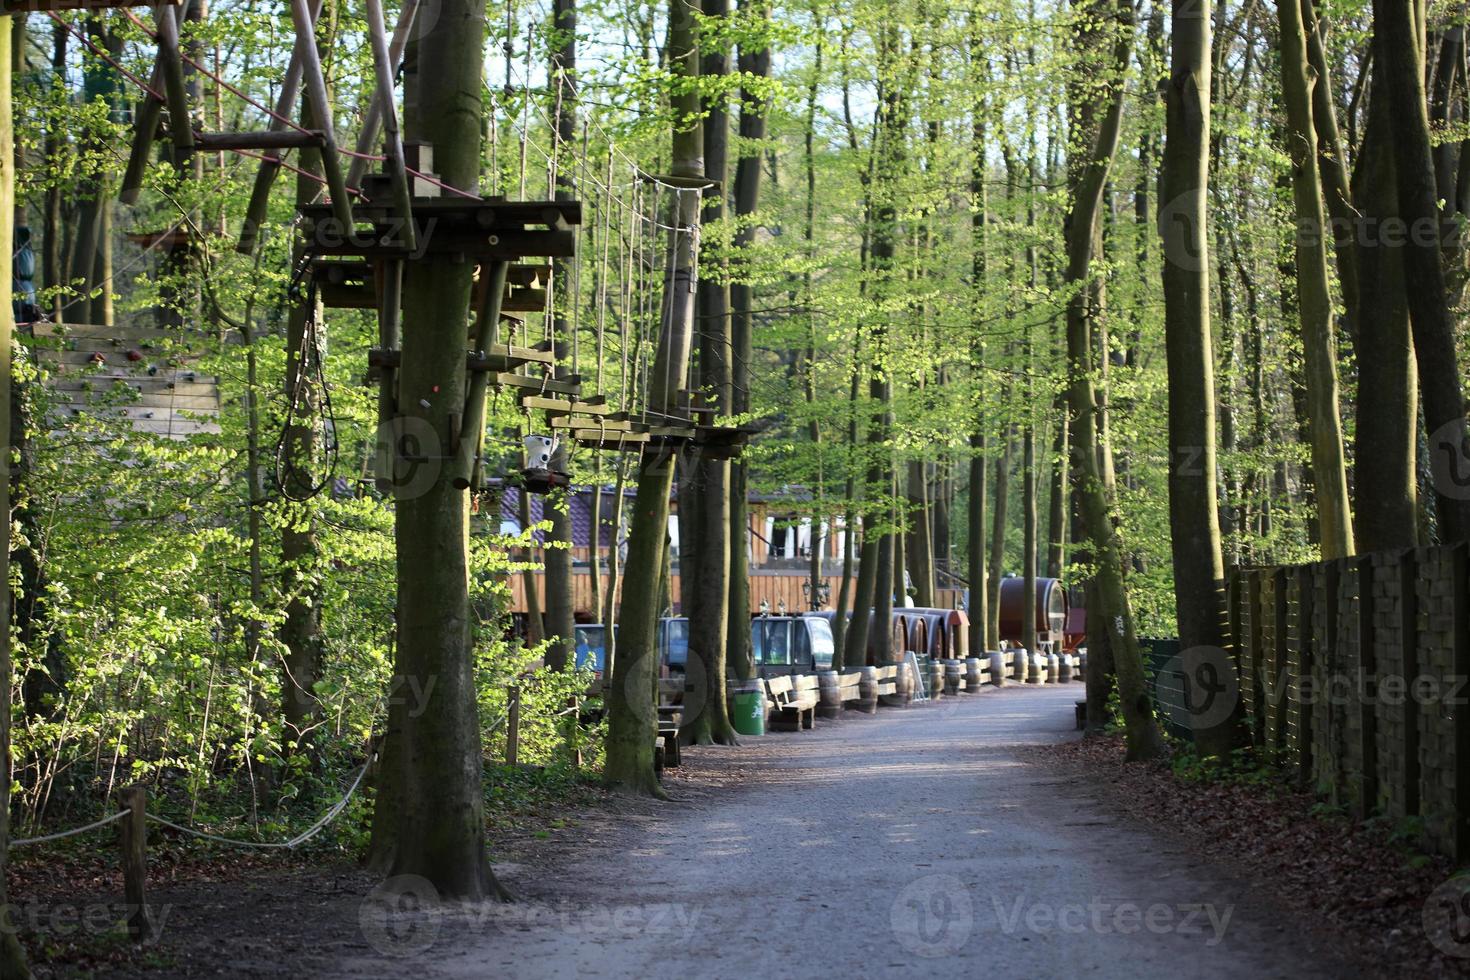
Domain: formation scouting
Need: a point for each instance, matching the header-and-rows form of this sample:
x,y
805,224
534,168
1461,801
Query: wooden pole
x,y
513,727
372,117
316,92
181,128
260,194
134,839
383,63
574,745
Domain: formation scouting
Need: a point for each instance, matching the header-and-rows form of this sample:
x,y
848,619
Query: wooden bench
x,y
793,701
670,721
849,686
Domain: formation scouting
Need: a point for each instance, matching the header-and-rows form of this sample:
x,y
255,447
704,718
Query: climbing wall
x,y
146,374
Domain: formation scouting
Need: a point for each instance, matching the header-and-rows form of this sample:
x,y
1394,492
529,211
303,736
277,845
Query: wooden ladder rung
x,y
525,355
569,385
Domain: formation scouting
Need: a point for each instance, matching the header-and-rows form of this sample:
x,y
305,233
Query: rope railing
x,y
94,825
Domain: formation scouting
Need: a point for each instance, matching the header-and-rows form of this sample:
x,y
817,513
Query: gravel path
x,y
915,842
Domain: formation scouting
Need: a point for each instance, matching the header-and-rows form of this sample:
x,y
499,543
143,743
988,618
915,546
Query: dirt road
x,y
913,843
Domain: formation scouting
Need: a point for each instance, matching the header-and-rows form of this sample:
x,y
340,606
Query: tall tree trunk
x,y
53,269
1194,523
1332,167
1385,478
998,532
1314,302
434,759
754,64
1095,502
1058,515
632,721
300,630
706,586
920,546
557,555
981,637
1400,26
12,959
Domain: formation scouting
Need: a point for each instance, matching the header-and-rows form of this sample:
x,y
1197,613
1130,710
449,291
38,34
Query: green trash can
x,y
749,711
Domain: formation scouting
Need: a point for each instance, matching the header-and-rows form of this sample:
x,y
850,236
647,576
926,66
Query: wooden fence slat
x,y
1307,692
1279,678
1408,632
1367,690
1460,585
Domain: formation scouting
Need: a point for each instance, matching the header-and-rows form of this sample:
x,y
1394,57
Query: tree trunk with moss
x,y
1109,602
1314,300
1194,523
632,715
432,810
706,580
560,623
1400,25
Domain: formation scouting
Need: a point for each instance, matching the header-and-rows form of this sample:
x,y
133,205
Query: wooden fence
x,y
1353,672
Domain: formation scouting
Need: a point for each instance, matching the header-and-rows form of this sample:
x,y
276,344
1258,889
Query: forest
x,y
330,314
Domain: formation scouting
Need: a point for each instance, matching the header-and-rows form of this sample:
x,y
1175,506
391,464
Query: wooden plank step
x,y
123,332
562,406
608,425
569,385
592,439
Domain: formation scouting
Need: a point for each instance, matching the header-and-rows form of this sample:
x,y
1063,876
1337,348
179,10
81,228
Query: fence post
x,y
1280,660
1252,663
1460,607
134,840
1408,630
574,745
513,726
1306,688
1334,743
1367,691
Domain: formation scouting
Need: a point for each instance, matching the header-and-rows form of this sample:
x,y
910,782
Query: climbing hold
x,y
134,355
97,358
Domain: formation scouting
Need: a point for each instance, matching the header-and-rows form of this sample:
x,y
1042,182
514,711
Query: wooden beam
x,y
372,117
261,140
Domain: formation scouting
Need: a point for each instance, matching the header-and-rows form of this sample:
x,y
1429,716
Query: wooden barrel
x,y
868,689
1053,668
974,675
954,672
829,691
903,684
1067,670
997,668
935,670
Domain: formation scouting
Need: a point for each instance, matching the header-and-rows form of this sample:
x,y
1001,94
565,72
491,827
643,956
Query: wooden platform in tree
x,y
478,229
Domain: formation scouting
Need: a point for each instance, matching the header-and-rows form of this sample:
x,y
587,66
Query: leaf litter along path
x,y
918,842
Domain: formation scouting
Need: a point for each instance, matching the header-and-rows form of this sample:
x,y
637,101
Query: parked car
x,y
778,644
790,645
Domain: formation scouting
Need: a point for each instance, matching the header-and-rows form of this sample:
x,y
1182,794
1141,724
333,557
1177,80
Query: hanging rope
x,y
310,369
